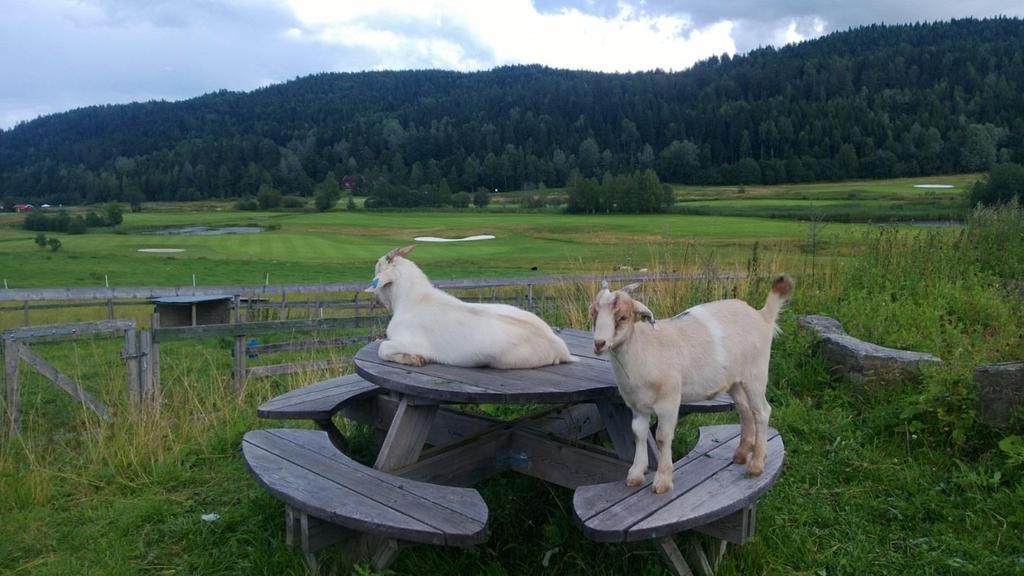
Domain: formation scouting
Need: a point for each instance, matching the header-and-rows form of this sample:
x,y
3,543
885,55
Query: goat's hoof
x,y
411,359
634,481
661,487
741,457
755,468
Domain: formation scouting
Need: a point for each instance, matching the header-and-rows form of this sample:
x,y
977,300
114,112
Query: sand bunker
x,y
933,186
161,250
466,239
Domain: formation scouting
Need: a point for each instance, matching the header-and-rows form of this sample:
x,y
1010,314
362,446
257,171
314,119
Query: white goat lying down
x,y
697,355
428,325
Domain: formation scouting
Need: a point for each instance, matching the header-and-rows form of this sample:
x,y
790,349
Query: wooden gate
x,y
16,346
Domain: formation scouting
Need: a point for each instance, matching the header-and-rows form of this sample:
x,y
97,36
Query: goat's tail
x,y
782,289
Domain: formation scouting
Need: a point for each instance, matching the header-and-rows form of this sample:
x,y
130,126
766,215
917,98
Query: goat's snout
x,y
599,346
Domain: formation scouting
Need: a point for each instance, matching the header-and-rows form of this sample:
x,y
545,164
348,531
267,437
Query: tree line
x,y
872,102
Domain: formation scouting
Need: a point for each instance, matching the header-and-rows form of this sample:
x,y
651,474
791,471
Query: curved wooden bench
x,y
319,402
710,494
306,472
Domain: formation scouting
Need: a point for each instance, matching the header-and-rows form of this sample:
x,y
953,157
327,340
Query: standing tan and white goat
x,y
429,325
709,349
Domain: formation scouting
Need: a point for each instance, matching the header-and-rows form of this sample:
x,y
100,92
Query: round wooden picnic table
x,y
590,381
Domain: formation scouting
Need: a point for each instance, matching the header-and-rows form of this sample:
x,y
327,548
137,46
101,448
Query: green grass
x,y
889,480
892,189
856,201
343,246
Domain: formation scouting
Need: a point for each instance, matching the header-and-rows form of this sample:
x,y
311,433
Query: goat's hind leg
x,y
748,426
391,351
762,413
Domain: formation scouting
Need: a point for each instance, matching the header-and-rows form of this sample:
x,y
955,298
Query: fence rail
x,y
279,290
254,328
261,301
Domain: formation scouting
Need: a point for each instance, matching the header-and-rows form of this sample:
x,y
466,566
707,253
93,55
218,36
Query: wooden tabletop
x,y
588,379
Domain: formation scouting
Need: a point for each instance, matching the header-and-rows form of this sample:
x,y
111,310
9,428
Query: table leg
x,y
406,436
618,420
402,446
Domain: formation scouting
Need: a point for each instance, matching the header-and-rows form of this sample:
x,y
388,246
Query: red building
x,y
23,207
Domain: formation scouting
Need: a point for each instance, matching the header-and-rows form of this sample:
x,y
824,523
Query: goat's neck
x,y
626,346
411,287
637,343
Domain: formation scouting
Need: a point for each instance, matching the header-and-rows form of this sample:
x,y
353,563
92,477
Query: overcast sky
x,y
61,54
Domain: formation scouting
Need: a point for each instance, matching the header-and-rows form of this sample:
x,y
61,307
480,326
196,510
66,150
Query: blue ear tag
x,y
374,283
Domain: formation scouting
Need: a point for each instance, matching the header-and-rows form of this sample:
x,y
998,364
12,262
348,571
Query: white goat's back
x,y
439,327
723,342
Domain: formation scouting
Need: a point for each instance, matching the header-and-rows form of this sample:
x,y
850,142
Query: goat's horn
x,y
604,284
405,251
628,289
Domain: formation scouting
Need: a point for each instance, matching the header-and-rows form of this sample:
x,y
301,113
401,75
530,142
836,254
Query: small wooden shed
x,y
193,310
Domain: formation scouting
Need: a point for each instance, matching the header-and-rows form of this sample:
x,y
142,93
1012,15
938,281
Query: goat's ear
x,y
628,289
643,311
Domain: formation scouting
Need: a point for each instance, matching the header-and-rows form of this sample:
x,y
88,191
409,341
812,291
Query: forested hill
x,y
877,101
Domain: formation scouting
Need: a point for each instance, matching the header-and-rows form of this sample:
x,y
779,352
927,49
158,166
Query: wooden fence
x,y
281,299
142,347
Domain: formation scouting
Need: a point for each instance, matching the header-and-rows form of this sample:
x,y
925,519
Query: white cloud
x,y
798,31
475,35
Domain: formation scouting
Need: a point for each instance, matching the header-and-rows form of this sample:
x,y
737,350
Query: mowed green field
x,y
890,189
896,200
341,246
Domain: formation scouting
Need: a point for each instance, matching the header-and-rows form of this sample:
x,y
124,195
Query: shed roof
x,y
189,300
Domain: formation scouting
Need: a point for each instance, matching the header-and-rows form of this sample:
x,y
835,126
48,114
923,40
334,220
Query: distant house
x,y
23,207
45,206
348,182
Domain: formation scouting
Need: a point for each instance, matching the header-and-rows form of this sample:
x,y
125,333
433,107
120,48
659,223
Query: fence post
x,y
145,366
12,396
131,355
110,308
25,308
154,359
240,352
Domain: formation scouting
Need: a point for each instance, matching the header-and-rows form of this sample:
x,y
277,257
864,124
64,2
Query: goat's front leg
x,y
668,414
641,428
389,351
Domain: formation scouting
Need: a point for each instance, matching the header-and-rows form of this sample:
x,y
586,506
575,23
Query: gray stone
x,y
1000,392
863,361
